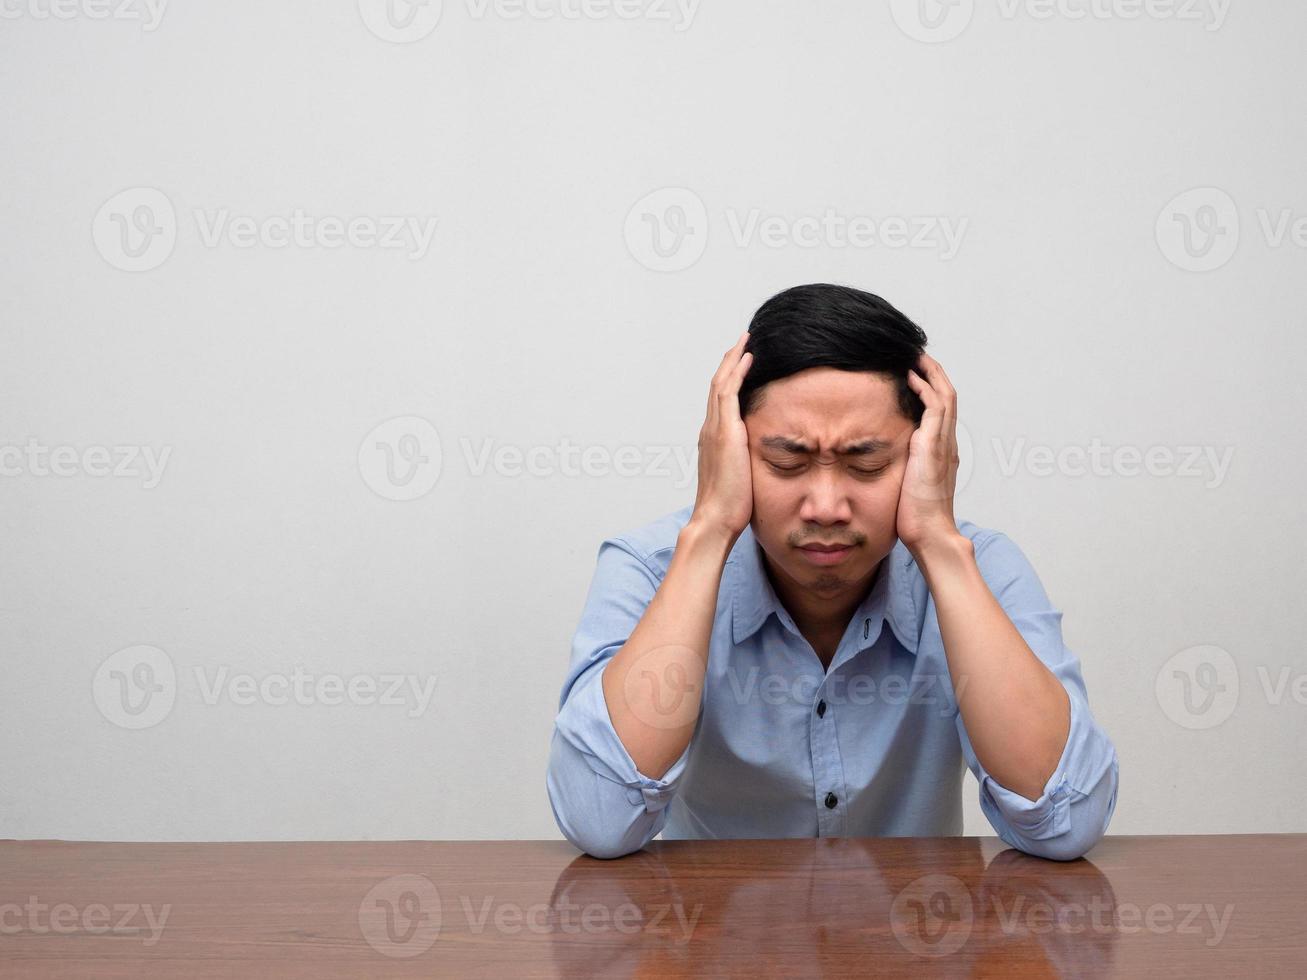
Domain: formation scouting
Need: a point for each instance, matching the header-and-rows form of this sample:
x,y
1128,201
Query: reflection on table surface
x,y
1167,906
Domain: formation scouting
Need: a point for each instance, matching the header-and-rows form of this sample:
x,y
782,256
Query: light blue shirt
x,y
872,747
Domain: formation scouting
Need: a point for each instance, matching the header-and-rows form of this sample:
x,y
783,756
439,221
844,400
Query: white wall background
x,y
1073,309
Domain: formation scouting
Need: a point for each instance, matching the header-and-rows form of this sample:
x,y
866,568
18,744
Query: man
x,y
817,646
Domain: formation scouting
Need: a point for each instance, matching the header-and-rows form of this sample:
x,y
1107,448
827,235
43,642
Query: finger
x,y
943,391
721,378
731,390
730,358
938,378
728,363
733,369
939,381
932,419
924,390
942,431
736,378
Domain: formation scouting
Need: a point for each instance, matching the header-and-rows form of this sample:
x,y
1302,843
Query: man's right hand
x,y
724,499
653,685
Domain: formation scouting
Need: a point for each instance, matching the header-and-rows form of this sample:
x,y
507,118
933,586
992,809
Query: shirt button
x,y
821,709
831,801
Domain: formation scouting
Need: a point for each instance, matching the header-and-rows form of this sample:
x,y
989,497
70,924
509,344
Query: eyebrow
x,y
867,447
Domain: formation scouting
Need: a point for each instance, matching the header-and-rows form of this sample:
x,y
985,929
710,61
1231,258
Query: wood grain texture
x,y
1195,906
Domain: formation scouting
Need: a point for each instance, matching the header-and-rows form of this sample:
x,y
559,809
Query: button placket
x,y
827,771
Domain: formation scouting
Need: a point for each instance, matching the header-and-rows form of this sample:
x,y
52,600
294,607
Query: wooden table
x,y
1228,906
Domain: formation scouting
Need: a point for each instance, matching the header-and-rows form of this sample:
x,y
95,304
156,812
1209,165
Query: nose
x,y
825,498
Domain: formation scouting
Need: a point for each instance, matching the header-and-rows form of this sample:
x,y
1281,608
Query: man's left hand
x,y
925,511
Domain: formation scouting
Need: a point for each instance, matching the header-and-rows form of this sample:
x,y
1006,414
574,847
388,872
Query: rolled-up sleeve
x,y
601,802
1076,806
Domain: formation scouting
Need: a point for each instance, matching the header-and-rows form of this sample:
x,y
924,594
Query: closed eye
x,y
860,470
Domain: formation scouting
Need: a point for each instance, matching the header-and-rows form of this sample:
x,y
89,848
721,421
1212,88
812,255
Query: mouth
x,y
826,554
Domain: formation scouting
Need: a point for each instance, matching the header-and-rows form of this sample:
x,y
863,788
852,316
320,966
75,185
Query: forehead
x,y
829,407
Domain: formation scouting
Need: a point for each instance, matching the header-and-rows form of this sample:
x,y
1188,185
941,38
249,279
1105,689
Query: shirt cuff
x,y
585,722
1088,754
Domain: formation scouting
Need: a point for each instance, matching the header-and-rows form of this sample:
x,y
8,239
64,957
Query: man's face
x,y
819,496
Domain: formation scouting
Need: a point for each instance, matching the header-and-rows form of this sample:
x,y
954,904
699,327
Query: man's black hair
x,y
821,325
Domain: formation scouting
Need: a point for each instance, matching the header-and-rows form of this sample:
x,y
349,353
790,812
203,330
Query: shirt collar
x,y
889,601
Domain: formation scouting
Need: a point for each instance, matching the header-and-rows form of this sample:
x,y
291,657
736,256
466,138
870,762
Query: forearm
x,y
1016,711
653,685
